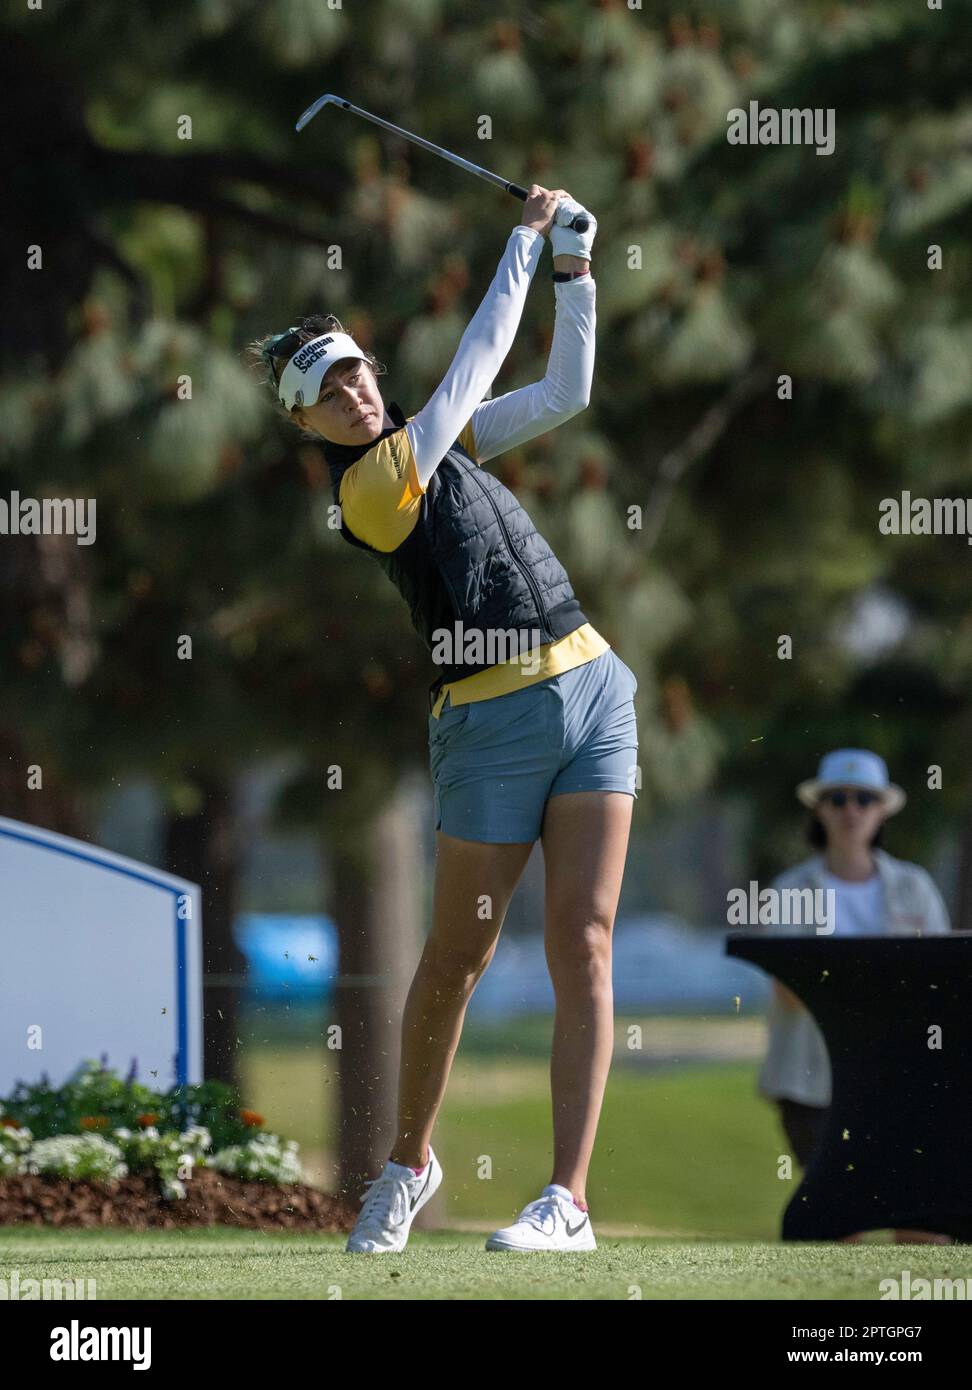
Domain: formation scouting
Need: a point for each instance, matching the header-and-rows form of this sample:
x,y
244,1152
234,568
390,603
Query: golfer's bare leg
x,y
471,880
585,842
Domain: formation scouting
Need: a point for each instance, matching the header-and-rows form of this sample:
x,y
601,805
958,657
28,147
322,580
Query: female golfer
x,y
531,723
874,894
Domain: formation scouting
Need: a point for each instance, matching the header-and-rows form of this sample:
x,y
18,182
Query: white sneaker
x,y
552,1222
390,1203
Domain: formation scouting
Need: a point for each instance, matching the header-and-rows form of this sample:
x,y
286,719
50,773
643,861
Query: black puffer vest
x,y
474,557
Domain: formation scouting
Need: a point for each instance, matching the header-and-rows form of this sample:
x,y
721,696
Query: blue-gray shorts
x,y
495,762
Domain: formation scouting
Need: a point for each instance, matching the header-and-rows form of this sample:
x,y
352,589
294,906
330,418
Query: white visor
x,y
300,383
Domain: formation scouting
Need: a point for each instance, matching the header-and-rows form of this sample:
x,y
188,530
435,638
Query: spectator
x,y
874,894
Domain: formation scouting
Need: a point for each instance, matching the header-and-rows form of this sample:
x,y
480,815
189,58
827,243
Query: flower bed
x,y
100,1150
137,1203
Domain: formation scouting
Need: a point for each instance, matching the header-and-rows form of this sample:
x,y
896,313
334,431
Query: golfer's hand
x,y
539,208
564,241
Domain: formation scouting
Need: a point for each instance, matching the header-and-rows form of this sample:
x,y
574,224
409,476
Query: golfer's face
x,y
349,408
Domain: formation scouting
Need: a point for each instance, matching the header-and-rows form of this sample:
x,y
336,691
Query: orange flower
x,y
94,1121
8,1123
251,1118
147,1119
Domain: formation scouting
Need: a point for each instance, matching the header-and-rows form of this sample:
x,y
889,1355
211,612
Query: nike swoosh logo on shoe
x,y
418,1195
573,1231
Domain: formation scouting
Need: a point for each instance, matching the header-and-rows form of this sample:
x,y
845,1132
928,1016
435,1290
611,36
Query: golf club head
x,y
312,111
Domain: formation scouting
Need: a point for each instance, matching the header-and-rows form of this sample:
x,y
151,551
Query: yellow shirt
x,y
381,501
380,494
583,644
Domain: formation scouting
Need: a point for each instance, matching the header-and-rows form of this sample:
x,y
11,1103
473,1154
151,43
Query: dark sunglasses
x,y
839,799
287,344
293,338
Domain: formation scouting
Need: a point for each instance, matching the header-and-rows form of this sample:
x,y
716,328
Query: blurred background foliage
x,y
720,269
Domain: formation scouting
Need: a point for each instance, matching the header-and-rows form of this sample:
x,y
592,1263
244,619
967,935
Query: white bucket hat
x,y
852,767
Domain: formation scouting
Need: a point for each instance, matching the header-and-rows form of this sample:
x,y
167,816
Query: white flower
x,y
197,1135
260,1157
85,1155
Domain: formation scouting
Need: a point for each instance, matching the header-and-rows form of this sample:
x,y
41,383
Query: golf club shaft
x,y
579,223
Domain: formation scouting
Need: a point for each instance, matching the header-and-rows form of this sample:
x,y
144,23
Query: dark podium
x,y
906,1107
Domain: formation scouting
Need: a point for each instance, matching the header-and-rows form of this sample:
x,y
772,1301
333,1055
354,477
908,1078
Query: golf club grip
x,y
579,224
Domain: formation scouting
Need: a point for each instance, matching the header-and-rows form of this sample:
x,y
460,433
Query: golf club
x,y
578,223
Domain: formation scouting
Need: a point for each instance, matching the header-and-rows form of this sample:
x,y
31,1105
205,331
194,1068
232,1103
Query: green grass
x,y
686,1156
687,1153
687,1150
226,1264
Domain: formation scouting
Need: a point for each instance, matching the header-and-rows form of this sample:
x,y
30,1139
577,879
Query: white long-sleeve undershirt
x,y
531,410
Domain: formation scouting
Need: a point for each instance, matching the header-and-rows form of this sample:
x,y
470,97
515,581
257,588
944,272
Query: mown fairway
x,y
684,1149
225,1264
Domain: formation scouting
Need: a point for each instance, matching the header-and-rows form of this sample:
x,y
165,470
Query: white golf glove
x,y
564,241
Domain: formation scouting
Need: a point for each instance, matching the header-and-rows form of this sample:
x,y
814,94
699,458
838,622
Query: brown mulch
x,y
136,1202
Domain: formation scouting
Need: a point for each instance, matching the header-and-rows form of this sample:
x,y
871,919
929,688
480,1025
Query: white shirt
x,y
518,415
858,907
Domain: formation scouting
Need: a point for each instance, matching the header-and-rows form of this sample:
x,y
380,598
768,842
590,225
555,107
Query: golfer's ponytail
x,y
271,353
